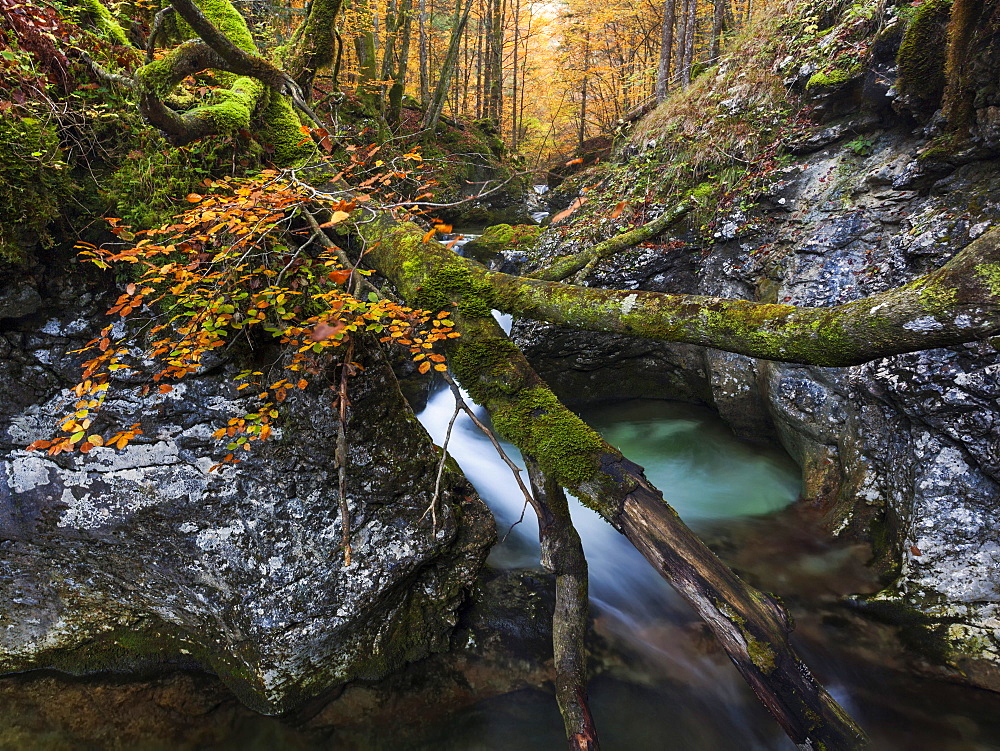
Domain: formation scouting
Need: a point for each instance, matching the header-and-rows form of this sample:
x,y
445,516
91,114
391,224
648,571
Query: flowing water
x,y
673,688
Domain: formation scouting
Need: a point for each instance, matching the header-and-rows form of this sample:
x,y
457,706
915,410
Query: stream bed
x,y
674,688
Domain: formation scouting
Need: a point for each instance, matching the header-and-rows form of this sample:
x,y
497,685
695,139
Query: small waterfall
x,y
632,605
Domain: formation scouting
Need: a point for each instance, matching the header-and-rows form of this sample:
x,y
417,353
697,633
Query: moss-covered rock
x,y
921,56
503,238
34,184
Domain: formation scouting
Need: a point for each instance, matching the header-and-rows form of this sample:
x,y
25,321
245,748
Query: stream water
x,y
673,688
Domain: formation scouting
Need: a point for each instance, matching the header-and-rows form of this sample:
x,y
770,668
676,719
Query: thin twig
x,y
341,455
432,509
493,439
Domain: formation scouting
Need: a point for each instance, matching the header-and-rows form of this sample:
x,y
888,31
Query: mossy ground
x,y
35,183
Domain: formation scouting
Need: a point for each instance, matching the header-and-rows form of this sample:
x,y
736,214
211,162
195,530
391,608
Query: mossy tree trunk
x,y
751,626
957,303
254,89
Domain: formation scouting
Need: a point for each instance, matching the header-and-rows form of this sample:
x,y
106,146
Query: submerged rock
x,y
126,560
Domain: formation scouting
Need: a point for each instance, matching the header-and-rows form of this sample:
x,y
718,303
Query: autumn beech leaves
x,y
241,259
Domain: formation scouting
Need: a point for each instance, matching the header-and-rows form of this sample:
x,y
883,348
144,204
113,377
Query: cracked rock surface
x,y
128,560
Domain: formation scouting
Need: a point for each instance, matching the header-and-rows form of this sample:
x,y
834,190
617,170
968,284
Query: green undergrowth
x,y
149,185
35,183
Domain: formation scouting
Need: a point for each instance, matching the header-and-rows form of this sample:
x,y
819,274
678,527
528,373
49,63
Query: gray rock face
x,y
120,560
904,450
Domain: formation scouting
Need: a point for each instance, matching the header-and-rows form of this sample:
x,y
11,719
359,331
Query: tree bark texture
x,y
436,106
666,50
562,555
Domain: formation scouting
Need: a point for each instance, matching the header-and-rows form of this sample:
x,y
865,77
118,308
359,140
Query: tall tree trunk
x,y
425,76
494,96
681,41
461,18
364,47
690,27
404,23
582,135
480,54
514,81
718,26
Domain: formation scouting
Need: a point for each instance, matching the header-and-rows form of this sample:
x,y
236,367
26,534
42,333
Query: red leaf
x,y
339,277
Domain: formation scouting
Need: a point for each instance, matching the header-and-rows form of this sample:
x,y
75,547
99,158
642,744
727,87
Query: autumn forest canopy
x,y
277,190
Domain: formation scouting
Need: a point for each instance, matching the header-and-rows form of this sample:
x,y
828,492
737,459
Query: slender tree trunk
x,y
681,41
494,96
364,47
461,18
690,27
582,135
514,81
480,54
562,554
718,26
404,23
425,76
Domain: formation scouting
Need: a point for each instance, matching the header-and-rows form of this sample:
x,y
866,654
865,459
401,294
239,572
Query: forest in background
x,y
549,74
85,85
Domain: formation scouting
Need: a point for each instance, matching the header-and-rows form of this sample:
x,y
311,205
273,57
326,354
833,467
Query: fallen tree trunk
x,y
567,266
750,625
957,303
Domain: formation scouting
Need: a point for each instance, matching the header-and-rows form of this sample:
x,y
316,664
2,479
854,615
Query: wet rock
x,y
502,642
132,559
19,300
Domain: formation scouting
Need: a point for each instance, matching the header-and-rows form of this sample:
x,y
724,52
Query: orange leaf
x,y
424,367
166,388
39,445
618,210
577,203
194,197
95,439
429,234
338,217
339,277
444,229
302,383
571,162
